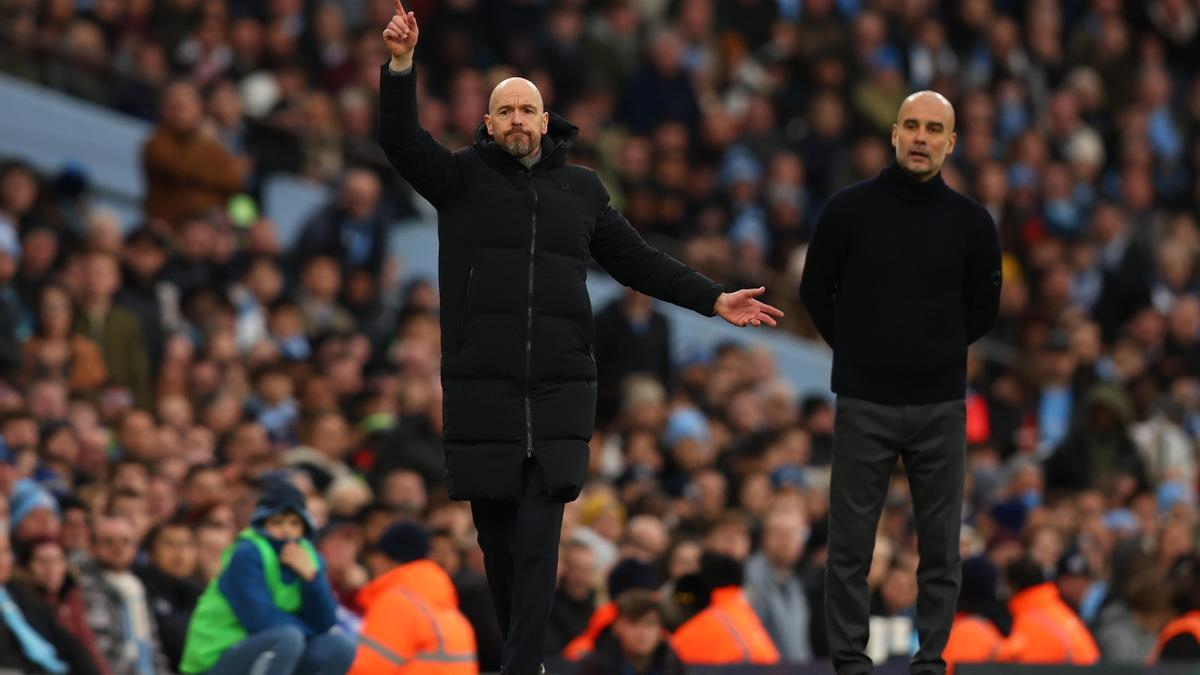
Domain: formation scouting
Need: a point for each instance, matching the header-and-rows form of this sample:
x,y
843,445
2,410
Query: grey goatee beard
x,y
518,145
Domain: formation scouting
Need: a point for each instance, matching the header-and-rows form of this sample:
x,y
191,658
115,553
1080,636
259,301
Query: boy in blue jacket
x,y
270,609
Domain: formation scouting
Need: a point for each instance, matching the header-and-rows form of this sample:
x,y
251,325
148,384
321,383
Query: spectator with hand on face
x,y
270,609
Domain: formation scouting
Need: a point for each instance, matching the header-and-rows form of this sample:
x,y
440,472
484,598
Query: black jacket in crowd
x,y
900,277
41,617
607,659
518,369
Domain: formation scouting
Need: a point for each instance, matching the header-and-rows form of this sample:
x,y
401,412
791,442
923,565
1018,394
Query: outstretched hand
x,y
401,34
741,309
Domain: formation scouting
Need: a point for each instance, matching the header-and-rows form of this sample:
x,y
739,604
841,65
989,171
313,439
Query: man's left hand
x,y
741,309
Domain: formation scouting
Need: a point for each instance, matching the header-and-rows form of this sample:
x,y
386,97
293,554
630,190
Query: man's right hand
x,y
400,36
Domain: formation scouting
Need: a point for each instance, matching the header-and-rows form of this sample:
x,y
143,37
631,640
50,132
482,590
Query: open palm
x,y
741,308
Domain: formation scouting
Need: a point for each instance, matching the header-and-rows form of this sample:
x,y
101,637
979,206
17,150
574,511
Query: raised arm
x,y
426,164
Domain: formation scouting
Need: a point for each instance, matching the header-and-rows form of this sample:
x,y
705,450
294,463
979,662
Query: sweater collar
x,y
909,188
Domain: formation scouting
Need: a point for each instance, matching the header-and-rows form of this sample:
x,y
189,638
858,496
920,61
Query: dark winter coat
x,y
41,617
518,371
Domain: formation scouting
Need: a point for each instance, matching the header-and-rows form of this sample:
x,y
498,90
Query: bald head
x,y
923,134
518,87
927,102
516,117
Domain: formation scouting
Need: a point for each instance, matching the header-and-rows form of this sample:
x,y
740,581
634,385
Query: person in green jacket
x,y
271,609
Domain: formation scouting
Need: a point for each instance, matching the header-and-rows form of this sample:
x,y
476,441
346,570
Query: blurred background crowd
x,y
151,374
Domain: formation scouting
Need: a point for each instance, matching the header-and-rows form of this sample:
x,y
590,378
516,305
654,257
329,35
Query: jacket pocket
x,y
465,312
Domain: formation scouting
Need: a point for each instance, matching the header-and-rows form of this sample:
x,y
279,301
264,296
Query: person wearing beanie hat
x,y
271,609
412,623
32,512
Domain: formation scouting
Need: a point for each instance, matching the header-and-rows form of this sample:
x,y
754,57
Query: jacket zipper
x,y
462,322
529,322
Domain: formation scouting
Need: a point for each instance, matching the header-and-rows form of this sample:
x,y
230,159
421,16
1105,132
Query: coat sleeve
x,y
981,287
245,588
823,268
426,164
622,252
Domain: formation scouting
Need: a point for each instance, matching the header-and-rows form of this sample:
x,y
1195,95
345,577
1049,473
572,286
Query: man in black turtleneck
x,y
902,274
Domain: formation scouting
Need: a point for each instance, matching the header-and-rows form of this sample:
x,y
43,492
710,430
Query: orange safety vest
x,y
412,625
726,632
1045,630
604,616
973,639
1188,623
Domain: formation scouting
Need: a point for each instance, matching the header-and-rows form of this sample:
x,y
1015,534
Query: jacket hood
x,y
556,142
1113,398
422,578
279,495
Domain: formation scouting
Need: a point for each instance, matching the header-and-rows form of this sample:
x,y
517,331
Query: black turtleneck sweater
x,y
900,277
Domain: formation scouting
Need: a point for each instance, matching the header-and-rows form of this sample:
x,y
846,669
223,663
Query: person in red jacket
x,y
727,631
412,624
1045,629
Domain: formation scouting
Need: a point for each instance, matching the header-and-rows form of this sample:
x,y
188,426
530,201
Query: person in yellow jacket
x,y
727,631
412,624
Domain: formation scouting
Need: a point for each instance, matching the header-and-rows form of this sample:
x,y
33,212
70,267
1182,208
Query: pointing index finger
x,y
399,7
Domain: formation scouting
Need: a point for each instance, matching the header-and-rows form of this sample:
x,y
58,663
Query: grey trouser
x,y
868,438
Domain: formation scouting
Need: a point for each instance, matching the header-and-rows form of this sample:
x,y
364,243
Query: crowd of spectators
x,y
152,374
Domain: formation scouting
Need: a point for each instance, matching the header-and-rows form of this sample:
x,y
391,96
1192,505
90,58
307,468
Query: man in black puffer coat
x,y
517,227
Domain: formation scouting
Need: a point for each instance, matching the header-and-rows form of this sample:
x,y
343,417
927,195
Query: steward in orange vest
x,y
1045,629
973,636
727,631
412,624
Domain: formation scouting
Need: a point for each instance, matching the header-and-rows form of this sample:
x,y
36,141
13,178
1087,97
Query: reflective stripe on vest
x,y
725,619
439,655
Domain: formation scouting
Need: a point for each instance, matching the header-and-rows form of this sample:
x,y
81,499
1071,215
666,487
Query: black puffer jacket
x,y
518,372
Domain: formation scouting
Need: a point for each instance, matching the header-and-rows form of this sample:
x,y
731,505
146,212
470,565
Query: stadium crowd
x,y
153,376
